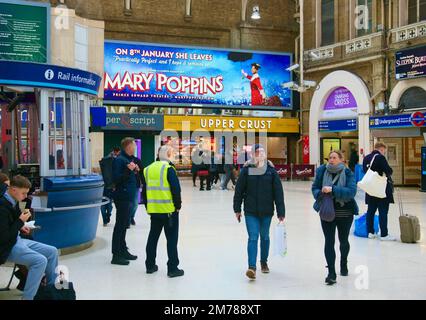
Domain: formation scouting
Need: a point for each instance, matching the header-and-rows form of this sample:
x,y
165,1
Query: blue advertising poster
x,y
139,73
417,119
410,63
338,125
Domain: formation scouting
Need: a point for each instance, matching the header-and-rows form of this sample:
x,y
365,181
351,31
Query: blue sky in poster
x,y
216,63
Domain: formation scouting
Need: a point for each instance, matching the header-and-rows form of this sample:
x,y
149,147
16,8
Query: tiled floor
x,y
213,254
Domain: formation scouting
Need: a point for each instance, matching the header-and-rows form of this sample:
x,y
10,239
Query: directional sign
x,y
406,120
338,125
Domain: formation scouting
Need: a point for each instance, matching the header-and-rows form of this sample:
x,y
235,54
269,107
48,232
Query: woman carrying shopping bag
x,y
259,186
334,190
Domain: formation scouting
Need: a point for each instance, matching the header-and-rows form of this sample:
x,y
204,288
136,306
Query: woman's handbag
x,y
327,212
373,183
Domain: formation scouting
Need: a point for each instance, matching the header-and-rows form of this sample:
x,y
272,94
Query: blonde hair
x,y
379,145
338,152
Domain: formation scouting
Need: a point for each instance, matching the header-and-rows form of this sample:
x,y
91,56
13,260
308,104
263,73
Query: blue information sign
x,y
398,121
338,125
48,76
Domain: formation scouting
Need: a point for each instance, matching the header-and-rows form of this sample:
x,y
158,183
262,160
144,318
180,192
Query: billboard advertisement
x,y
151,74
410,63
24,33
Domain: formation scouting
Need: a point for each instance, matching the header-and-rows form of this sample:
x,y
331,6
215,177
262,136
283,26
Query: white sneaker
x,y
388,238
372,236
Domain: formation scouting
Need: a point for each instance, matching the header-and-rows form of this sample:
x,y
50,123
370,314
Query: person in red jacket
x,y
257,92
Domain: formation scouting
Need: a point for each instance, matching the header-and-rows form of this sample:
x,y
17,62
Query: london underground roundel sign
x,y
418,119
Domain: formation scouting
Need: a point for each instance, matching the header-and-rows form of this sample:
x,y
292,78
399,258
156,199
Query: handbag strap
x,y
336,178
372,160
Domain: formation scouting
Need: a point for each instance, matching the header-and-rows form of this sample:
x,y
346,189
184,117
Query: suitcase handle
x,y
401,206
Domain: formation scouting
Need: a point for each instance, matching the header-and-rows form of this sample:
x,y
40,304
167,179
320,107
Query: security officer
x,y
162,195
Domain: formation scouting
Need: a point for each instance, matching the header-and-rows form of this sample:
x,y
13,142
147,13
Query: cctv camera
x,y
309,84
293,67
288,85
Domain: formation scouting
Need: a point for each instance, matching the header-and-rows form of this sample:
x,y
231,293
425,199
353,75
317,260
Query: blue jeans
x,y
39,258
106,210
258,226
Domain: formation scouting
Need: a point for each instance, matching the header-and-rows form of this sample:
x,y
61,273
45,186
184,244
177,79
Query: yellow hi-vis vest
x,y
158,194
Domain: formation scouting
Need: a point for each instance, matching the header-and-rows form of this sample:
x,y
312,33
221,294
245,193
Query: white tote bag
x,y
280,243
373,183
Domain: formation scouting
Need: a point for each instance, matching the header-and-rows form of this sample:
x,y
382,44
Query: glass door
x,y
64,132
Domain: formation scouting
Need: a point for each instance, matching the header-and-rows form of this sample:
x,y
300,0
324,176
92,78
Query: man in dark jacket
x,y
381,166
125,174
135,206
354,158
259,187
106,168
162,198
39,258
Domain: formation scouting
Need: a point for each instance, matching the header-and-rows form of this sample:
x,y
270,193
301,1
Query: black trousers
x,y
207,179
170,224
194,178
383,206
120,229
343,226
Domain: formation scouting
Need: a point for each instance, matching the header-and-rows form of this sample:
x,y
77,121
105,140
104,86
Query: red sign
x,y
418,119
306,150
283,170
303,171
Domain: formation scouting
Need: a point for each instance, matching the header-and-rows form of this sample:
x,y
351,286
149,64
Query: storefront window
x,y
56,134
82,134
66,140
68,116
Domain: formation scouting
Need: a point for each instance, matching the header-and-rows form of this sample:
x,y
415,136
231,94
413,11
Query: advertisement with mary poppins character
x,y
139,73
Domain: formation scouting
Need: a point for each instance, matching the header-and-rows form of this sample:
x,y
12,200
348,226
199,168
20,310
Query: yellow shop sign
x,y
212,123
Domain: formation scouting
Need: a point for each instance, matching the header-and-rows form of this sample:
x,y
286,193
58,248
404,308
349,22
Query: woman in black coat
x,y
381,166
259,187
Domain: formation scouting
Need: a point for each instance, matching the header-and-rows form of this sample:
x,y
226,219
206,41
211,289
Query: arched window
x,y
413,98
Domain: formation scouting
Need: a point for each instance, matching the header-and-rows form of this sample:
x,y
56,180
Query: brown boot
x,y
265,268
251,274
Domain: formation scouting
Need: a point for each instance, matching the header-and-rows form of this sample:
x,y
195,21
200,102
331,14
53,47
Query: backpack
x,y
106,169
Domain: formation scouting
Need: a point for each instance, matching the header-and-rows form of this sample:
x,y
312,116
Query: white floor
x,y
212,251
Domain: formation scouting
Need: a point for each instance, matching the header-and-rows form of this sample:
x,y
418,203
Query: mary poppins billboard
x,y
410,63
150,74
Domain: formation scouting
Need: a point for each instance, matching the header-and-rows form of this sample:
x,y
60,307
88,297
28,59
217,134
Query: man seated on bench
x,y
39,258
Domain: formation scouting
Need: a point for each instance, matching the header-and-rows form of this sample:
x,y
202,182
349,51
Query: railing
x,y
361,43
408,32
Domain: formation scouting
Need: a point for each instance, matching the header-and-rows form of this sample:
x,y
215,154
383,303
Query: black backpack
x,y
106,169
50,292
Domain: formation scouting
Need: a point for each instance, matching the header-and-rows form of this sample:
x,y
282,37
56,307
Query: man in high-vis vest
x,y
162,195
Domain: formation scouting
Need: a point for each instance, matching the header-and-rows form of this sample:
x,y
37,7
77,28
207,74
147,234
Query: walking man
x,y
376,161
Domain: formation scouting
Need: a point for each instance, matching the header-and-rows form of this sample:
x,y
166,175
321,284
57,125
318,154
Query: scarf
x,y
327,180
